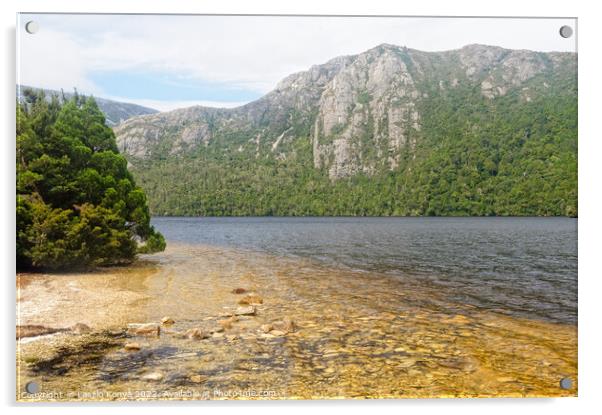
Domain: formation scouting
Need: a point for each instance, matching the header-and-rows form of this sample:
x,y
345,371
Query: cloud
x,y
246,52
53,60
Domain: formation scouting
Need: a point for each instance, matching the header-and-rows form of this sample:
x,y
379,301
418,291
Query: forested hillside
x,y
393,131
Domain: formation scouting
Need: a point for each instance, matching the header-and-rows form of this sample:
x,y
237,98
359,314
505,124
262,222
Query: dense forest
x,y
77,203
473,156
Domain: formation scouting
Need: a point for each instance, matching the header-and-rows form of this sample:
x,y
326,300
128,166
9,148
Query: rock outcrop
x,y
363,113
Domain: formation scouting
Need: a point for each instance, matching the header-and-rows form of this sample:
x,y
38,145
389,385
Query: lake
x,y
520,266
343,308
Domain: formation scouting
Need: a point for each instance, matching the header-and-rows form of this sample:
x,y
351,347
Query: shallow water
x,y
525,267
362,330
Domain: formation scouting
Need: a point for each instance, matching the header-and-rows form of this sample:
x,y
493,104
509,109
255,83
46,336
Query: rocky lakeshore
x,y
201,322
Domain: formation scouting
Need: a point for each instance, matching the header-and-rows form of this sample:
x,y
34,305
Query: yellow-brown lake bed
x,y
355,335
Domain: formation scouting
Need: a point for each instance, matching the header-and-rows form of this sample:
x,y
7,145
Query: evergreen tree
x,y
77,203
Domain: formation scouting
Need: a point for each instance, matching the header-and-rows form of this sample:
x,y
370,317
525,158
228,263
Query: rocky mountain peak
x,y
362,112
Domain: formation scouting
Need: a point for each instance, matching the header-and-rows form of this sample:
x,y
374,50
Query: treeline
x,y
474,156
77,203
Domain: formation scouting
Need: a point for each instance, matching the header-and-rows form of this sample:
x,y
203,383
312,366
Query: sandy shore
x,y
355,335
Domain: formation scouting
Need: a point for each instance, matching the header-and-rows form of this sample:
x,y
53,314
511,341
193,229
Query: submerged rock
x,y
126,366
116,333
178,378
245,311
251,299
406,362
198,378
196,334
153,376
286,325
36,330
227,323
458,319
132,346
59,358
459,363
266,328
505,379
144,329
80,328
167,321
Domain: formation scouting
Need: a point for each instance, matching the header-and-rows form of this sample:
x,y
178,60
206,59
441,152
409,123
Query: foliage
x,y
77,203
473,156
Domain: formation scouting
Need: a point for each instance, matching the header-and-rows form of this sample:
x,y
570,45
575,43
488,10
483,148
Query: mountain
x,y
480,130
115,112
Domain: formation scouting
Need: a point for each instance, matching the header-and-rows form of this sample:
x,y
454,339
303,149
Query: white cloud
x,y
53,60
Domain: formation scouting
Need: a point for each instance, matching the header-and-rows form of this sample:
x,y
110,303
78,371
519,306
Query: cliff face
x,y
362,113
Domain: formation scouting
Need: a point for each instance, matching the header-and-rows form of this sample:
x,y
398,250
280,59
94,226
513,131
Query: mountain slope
x,y
115,112
392,131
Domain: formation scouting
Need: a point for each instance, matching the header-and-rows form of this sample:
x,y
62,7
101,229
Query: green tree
x,y
77,203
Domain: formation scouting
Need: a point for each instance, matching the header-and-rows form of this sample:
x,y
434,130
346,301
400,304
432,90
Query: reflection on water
x,y
360,333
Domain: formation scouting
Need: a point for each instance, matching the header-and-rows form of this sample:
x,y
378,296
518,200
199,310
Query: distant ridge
x,y
115,112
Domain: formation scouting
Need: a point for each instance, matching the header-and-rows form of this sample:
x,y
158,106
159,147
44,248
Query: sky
x,y
173,61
